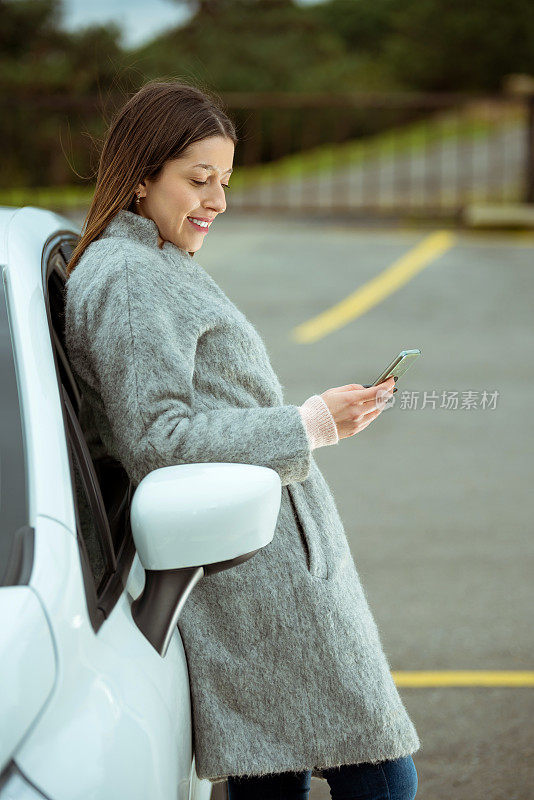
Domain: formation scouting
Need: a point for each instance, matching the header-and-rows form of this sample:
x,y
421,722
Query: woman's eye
x,y
203,183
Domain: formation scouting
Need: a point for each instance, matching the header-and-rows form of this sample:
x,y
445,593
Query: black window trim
x,y
119,563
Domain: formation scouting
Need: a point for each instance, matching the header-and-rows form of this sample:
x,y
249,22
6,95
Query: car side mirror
x,y
190,520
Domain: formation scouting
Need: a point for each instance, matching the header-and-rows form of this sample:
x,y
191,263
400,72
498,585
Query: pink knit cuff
x,y
320,425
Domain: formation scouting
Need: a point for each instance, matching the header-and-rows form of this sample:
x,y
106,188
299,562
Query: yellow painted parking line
x,y
376,289
449,678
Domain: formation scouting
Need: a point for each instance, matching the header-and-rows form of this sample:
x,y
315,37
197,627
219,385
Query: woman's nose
x,y
218,200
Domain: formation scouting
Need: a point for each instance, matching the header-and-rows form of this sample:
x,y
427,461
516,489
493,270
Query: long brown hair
x,y
155,125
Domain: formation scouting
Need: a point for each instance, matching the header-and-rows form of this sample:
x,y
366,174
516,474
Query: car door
x,y
114,717
25,635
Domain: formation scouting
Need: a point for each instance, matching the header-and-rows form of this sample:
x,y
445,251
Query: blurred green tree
x,y
242,46
446,45
41,66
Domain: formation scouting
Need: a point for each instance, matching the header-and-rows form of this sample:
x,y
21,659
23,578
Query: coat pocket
x,y
316,558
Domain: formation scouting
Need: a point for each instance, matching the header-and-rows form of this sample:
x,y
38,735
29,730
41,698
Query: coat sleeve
x,y
140,360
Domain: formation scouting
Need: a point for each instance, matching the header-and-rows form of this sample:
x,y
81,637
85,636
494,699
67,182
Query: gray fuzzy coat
x,y
286,667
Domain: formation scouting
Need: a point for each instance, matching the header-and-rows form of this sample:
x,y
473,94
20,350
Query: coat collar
x,y
141,229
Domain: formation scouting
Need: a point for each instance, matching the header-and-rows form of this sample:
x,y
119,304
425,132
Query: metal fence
x,y
369,154
421,155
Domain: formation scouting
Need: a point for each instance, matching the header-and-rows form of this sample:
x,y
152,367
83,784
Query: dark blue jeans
x,y
387,780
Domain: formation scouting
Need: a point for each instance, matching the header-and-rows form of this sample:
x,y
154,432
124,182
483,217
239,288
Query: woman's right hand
x,y
354,408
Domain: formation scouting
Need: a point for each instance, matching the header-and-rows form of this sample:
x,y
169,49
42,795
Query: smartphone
x,y
398,366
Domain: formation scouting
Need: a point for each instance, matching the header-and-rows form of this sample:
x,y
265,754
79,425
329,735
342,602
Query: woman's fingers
x,y
348,387
365,419
365,395
379,400
353,406
369,411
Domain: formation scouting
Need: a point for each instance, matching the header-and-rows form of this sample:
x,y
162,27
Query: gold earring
x,y
137,199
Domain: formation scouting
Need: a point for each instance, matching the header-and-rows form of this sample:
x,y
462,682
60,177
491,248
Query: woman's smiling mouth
x,y
199,224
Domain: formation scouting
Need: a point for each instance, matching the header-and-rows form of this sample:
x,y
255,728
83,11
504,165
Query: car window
x,y
87,525
101,487
13,488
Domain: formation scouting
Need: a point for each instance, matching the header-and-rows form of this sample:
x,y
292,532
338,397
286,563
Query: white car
x,y
94,697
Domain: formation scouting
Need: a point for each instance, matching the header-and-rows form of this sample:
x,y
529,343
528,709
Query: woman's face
x,y
184,189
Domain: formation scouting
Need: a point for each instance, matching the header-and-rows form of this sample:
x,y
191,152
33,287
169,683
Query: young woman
x,y
288,675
